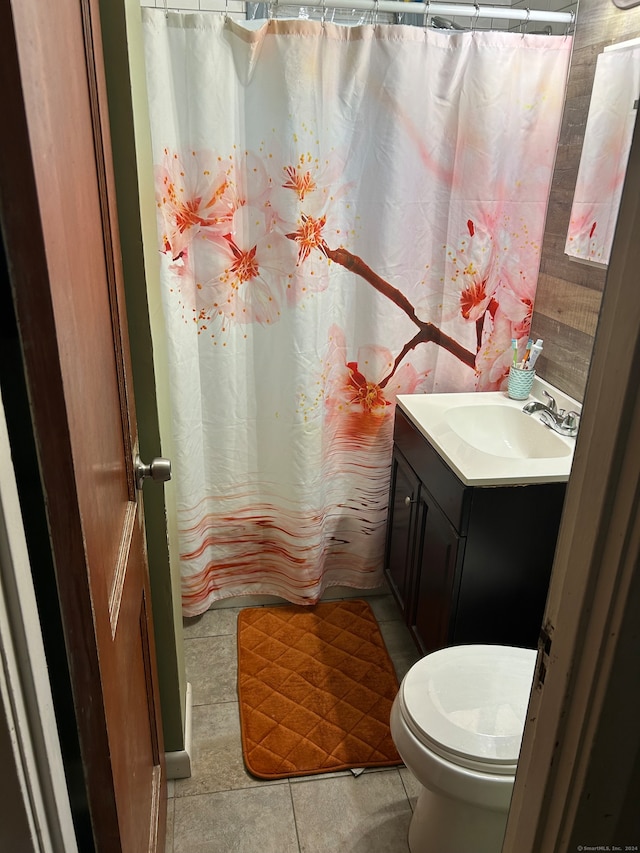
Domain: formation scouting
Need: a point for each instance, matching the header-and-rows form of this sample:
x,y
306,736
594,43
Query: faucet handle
x,y
552,402
571,420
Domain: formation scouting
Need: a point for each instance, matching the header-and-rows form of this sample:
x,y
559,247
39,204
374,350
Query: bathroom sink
x,y
486,438
505,431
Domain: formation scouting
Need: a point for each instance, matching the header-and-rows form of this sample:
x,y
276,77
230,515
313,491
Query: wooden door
x,y
57,207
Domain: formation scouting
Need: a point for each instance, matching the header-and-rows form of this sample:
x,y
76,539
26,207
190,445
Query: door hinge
x,y
544,650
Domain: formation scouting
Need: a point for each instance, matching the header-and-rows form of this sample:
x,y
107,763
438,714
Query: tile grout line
x,y
405,788
293,812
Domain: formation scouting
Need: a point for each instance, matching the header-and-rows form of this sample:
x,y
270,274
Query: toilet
x,y
457,723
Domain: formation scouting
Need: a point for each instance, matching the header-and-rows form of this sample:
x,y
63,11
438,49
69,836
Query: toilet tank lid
x,y
471,700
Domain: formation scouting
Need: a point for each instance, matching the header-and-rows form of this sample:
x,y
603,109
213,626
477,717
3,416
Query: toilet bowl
x,y
457,723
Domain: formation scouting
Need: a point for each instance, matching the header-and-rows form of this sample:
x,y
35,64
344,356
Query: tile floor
x,y
222,809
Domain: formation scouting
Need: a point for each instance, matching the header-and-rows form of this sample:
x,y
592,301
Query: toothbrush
x,y
527,354
514,345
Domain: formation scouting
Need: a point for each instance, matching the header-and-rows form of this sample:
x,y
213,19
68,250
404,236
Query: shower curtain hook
x,y
166,11
324,13
427,7
523,29
375,14
474,23
570,23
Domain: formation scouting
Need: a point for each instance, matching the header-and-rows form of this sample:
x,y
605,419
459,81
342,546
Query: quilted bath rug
x,y
315,685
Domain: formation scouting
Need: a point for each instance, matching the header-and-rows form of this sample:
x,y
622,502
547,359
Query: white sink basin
x,y
504,431
487,440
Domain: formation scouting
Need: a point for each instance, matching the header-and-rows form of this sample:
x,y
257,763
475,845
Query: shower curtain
x,y
345,214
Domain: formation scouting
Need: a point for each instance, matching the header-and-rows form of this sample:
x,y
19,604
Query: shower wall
x,y
234,8
569,293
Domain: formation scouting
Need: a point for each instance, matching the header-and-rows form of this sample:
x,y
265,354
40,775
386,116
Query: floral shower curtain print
x,y
605,152
345,214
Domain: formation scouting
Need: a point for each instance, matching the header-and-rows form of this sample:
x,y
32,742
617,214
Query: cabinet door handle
x,y
409,500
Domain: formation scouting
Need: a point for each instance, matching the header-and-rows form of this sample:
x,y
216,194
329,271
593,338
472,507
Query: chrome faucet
x,y
535,406
566,423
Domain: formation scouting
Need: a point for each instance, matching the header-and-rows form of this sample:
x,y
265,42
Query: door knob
x,y
159,470
409,500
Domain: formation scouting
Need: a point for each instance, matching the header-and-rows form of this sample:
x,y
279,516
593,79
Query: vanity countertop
x,y
483,439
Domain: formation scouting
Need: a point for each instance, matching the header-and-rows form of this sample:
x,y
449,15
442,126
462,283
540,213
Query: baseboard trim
x,y
178,763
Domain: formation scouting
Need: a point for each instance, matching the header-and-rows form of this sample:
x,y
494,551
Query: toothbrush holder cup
x,y
520,383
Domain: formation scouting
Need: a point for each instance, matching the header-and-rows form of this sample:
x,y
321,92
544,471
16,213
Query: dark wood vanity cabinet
x,y
405,491
466,564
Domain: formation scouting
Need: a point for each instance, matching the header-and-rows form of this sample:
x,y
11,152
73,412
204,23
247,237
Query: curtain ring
x,y
523,29
324,13
427,6
570,23
166,11
375,14
226,8
474,23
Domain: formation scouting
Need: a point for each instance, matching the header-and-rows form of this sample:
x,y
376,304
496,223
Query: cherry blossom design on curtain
x,y
605,152
203,212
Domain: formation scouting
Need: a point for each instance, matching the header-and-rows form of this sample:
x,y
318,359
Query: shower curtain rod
x,y
447,9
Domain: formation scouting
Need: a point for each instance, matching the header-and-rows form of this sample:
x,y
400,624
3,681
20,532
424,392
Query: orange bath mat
x,y
316,686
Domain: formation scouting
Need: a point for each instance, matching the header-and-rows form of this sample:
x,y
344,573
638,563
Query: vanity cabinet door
x,y
405,489
441,551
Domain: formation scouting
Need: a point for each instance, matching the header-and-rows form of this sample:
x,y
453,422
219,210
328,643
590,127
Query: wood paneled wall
x,y
569,293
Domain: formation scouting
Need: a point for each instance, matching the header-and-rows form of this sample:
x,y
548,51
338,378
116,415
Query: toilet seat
x,y
468,704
